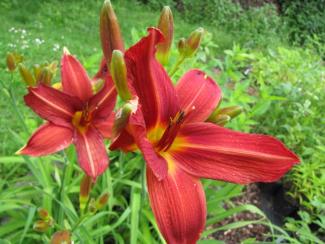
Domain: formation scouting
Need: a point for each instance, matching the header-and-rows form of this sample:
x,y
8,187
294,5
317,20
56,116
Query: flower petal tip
x,y
66,51
20,151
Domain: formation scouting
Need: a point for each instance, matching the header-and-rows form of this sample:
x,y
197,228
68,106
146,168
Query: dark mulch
x,y
251,196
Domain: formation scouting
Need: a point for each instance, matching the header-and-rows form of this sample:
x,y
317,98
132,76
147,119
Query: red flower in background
x,y
179,147
74,115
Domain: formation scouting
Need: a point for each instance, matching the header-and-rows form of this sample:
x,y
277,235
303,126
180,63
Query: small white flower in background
x,y
39,41
25,46
56,47
11,45
11,29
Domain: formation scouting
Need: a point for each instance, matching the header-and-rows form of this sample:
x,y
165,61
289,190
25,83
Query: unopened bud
x,y
232,111
61,237
110,34
119,75
11,62
222,119
53,67
92,206
122,116
101,201
26,75
166,26
37,69
45,77
43,214
97,85
181,45
41,226
193,42
85,187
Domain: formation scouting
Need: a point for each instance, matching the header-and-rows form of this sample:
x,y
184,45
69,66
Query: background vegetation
x,y
267,58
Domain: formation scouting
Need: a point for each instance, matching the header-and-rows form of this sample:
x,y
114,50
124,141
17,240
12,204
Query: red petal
x,y
137,129
178,203
198,95
47,139
104,101
124,142
209,151
75,80
52,105
152,85
91,152
105,126
135,132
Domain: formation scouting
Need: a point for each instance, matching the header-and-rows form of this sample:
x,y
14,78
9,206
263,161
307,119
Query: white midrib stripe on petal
x,y
52,104
89,155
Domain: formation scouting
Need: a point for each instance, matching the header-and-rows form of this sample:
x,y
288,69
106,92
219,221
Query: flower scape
x,y
178,127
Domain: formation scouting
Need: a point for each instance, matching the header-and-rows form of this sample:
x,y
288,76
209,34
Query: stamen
x,y
82,119
171,132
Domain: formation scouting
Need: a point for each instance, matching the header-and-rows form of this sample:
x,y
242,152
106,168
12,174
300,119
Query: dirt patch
x,y
251,195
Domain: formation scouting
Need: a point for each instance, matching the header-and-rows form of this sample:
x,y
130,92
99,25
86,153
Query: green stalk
x,y
180,60
60,216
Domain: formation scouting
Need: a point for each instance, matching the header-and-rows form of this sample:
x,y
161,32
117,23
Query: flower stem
x,y
180,60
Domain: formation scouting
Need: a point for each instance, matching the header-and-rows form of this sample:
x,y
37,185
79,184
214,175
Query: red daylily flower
x,y
75,115
179,147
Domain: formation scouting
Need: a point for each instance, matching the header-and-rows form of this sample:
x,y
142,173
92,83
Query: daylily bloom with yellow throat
x,y
179,147
74,115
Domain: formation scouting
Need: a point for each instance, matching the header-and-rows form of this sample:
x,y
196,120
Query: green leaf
x,y
28,223
135,208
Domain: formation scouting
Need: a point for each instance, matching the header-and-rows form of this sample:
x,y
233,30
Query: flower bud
x,y
41,226
232,111
118,72
26,75
166,26
122,116
97,85
61,237
222,119
53,67
37,69
110,34
193,42
101,201
181,46
11,62
85,187
43,214
45,77
92,206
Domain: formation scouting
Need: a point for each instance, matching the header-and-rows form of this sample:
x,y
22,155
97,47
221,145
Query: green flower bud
x,y
193,42
166,26
119,75
110,34
26,75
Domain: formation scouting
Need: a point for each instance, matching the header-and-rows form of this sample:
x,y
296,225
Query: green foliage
x,y
302,229
304,19
281,90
